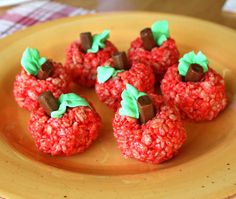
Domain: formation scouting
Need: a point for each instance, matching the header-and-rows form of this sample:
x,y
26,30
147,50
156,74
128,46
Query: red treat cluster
x,y
139,75
83,66
27,87
72,133
198,100
156,141
159,58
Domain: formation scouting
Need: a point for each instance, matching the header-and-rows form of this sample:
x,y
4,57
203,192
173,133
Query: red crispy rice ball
x,y
83,66
72,133
27,87
156,141
197,100
139,75
159,58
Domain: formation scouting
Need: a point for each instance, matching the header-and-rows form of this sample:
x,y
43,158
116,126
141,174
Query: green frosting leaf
x,y
129,105
68,100
106,72
31,61
192,58
160,31
99,41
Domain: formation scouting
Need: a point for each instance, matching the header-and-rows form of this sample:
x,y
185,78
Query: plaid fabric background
x,y
35,12
230,6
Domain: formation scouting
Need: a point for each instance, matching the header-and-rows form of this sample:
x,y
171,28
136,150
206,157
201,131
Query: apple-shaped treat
x,y
111,80
195,88
146,128
85,55
38,74
156,48
65,126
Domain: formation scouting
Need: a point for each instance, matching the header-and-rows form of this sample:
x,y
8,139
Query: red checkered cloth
x,y
35,12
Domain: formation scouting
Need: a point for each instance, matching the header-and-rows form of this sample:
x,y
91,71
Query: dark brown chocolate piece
x,y
146,108
194,74
48,102
148,39
46,70
86,40
120,60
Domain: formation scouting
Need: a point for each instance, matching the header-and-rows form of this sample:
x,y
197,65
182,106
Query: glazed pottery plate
x,y
205,166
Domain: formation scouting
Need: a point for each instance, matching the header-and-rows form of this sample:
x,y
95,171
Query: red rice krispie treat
x,y
38,75
85,55
111,80
156,48
146,128
65,127
195,88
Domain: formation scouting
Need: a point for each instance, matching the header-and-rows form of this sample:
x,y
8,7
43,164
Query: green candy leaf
x,y
125,95
68,100
129,105
192,58
61,110
106,72
131,111
202,60
99,41
160,31
116,72
42,60
161,39
31,61
31,69
132,91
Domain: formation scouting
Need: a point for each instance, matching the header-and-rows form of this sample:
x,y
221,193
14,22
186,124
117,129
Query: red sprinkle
x,y
197,100
156,141
159,58
27,88
83,67
73,133
140,76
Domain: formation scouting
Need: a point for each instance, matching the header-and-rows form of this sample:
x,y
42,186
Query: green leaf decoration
x,y
99,41
106,72
129,105
160,31
192,58
42,60
68,100
116,72
31,61
128,110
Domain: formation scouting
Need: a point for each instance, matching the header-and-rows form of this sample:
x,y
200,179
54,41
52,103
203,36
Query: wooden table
x,y
205,9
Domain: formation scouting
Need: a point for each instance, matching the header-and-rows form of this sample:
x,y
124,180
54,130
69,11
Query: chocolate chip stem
x,y
146,108
48,102
86,40
45,71
194,74
120,60
148,39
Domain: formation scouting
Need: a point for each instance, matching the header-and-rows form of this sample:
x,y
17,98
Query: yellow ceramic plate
x,y
204,168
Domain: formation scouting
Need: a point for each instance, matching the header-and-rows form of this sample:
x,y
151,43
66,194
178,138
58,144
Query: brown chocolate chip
x,y
147,38
194,74
120,60
48,102
86,40
46,70
146,108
